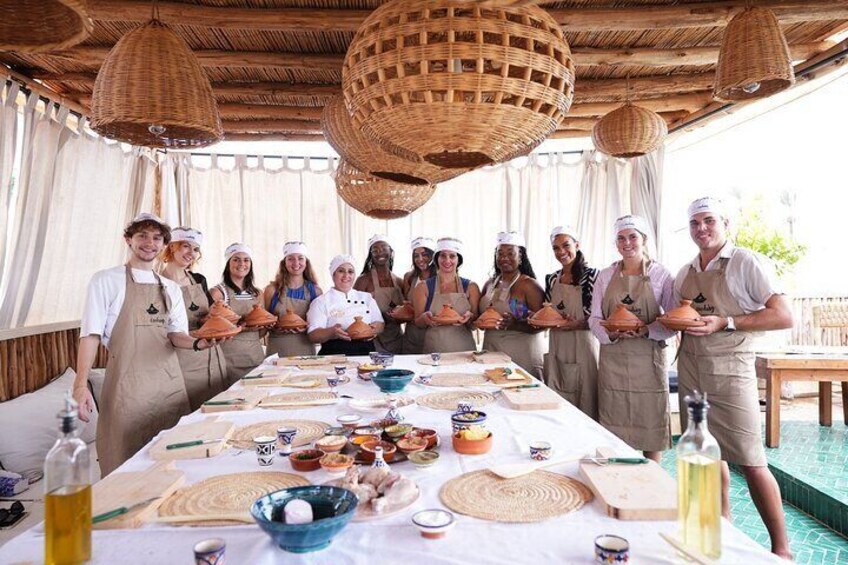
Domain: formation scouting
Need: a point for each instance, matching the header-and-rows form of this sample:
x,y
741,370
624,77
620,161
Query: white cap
x,y
637,223
570,231
449,244
148,217
511,238
707,204
187,234
292,247
424,242
238,248
340,260
377,237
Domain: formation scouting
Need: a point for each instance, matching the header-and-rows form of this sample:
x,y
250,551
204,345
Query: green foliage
x,y
757,234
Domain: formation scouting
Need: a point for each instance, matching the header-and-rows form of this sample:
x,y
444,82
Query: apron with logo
x,y
204,371
571,364
722,365
144,392
244,352
413,336
388,298
448,339
290,345
525,349
632,377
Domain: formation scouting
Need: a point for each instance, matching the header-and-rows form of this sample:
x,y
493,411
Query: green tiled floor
x,y
811,542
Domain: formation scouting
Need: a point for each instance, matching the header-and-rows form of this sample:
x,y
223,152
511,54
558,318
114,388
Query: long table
x,y
564,539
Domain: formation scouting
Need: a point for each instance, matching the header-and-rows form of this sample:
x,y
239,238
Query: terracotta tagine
x,y
218,308
404,313
622,320
547,317
489,319
216,327
359,329
290,321
447,315
682,317
259,317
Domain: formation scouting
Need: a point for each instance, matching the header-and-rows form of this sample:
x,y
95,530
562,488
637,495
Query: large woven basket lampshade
x,y
458,85
368,156
629,131
379,198
32,26
151,91
754,60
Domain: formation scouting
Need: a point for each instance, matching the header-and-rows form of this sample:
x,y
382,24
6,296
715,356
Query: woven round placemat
x,y
294,397
226,494
448,400
458,379
530,498
448,359
307,431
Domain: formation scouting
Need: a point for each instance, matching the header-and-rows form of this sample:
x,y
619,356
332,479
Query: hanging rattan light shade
x,y
754,60
458,85
629,131
379,198
151,91
368,156
32,26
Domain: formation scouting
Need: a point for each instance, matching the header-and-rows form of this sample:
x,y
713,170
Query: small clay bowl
x,y
337,431
398,430
412,444
357,441
424,459
389,450
336,463
432,436
433,524
472,446
367,431
331,444
306,460
349,421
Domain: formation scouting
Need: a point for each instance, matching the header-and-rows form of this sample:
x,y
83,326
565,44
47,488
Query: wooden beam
x,y
600,90
270,111
570,123
275,89
271,126
569,133
689,102
643,57
273,137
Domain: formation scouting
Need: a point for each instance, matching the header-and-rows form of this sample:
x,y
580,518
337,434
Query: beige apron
x,y
448,339
243,352
722,365
525,349
632,377
204,371
288,345
388,298
144,392
571,364
413,336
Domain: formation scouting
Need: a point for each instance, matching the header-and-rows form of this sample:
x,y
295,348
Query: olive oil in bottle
x,y
699,482
67,485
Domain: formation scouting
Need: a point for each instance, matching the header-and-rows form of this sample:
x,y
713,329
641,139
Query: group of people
x,y
142,312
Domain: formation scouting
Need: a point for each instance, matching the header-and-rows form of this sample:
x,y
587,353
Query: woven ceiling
x,y
274,63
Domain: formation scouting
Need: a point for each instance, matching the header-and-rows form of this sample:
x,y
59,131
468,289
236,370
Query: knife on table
x,y
192,443
225,402
121,511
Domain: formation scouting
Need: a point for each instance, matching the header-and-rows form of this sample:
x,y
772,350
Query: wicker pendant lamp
x,y
379,198
151,91
458,85
32,26
754,60
369,157
629,131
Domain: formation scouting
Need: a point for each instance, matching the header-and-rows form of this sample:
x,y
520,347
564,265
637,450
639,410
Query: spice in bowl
x,y
336,463
412,444
331,444
306,460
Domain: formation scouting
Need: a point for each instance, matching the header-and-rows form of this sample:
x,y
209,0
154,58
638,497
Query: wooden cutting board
x,y
126,489
251,397
541,398
310,360
497,377
210,428
632,492
265,376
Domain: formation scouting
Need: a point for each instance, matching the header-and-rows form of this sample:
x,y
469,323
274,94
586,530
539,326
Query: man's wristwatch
x,y
731,325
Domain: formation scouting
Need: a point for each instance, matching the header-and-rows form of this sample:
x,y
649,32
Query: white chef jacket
x,y
335,307
105,297
751,279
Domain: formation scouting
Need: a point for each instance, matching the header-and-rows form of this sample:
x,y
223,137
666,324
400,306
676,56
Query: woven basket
x,y
458,85
32,26
629,131
754,60
379,198
151,80
368,156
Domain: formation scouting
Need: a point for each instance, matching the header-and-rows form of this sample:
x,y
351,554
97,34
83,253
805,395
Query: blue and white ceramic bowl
x,y
611,549
464,420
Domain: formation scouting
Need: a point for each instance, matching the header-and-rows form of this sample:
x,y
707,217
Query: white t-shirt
x,y
751,279
335,307
105,297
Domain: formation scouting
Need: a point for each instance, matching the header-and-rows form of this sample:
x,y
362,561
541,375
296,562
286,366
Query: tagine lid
x,y
405,312
216,327
359,329
290,320
547,314
218,308
447,315
259,316
683,312
490,315
622,319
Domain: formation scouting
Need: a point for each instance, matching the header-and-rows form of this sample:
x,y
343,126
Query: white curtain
x,y
8,139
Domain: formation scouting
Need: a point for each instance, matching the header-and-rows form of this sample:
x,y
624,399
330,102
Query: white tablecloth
x,y
565,539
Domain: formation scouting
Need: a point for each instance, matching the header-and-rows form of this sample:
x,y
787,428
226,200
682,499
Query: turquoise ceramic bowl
x,y
392,380
332,509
